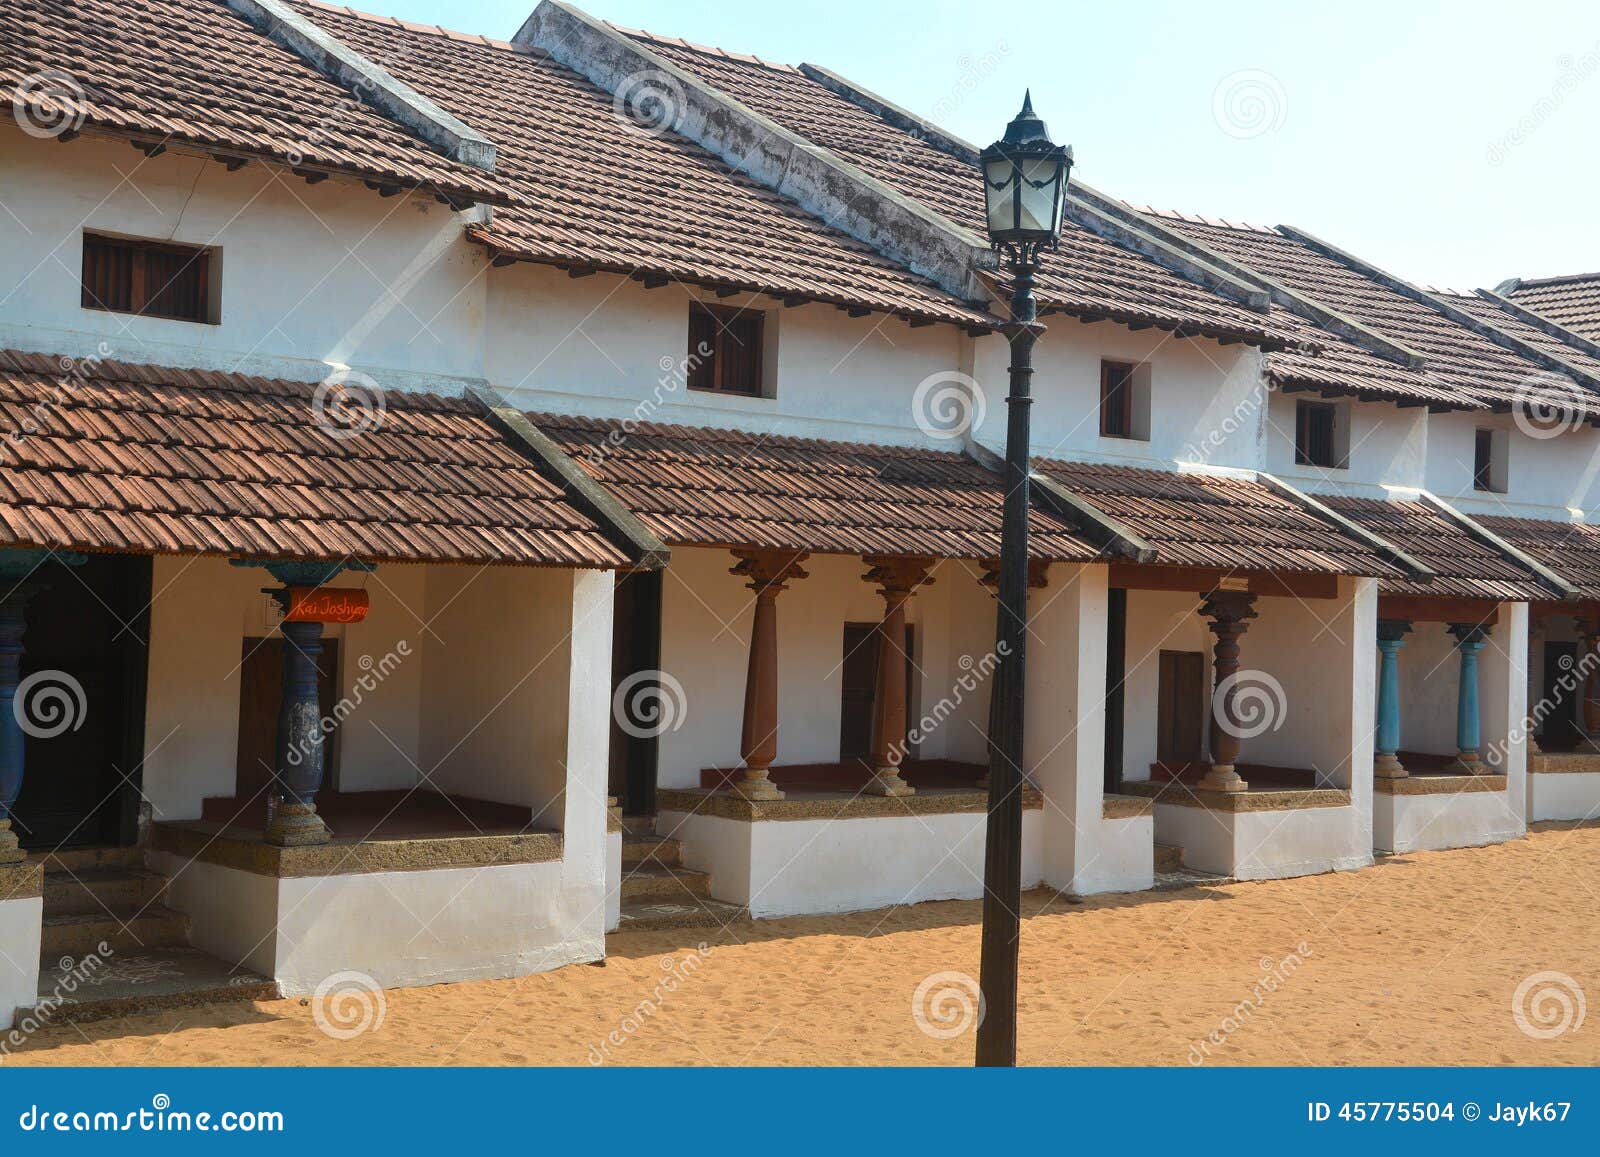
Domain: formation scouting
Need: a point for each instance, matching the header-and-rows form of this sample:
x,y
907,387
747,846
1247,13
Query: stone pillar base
x,y
1467,763
1222,777
887,781
296,825
1387,766
10,853
755,786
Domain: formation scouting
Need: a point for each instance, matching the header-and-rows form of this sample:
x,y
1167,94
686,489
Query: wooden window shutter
x,y
147,278
1116,400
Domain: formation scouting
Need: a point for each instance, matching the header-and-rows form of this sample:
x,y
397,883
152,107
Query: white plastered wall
x,y
19,960
1157,621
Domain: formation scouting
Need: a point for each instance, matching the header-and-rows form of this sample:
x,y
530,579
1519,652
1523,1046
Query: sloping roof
x,y
1464,566
1216,521
602,193
1092,277
1572,301
1467,365
101,456
705,487
1571,549
1497,314
192,72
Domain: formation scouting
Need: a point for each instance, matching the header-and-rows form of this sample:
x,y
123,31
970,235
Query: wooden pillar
x,y
1470,639
769,572
1588,688
897,579
1038,576
1230,613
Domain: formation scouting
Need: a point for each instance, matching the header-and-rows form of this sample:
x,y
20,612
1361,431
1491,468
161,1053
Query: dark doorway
x,y
260,695
89,629
1116,675
1563,727
1180,708
859,693
635,657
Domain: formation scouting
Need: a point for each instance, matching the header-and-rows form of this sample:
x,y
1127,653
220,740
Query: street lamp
x,y
1024,185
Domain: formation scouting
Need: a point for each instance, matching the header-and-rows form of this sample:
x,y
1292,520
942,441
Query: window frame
x,y
712,375
1303,447
140,296
1488,472
1124,391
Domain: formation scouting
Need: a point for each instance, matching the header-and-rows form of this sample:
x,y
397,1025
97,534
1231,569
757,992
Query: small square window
x,y
1320,436
1489,461
1124,400
726,349
148,278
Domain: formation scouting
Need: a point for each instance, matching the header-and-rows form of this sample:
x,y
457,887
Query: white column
x,y
588,711
1503,709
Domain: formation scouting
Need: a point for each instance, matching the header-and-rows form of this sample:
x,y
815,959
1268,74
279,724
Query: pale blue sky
x,y
1454,144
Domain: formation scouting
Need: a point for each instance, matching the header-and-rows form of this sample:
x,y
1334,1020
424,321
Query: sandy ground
x,y
1415,961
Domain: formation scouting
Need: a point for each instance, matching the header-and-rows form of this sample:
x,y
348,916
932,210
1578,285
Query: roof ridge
x,y
412,26
543,419
1198,219
1560,279
705,49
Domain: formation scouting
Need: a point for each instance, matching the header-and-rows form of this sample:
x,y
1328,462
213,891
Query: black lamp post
x,y
1025,181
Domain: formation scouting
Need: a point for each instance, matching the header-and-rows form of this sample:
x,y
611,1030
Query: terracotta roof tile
x,y
1572,301
193,71
106,456
1571,549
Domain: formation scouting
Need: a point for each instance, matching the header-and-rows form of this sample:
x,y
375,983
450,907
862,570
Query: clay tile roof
x,y
1494,314
603,193
1464,566
726,488
1467,366
1571,549
1215,521
1572,301
191,72
104,456
1091,277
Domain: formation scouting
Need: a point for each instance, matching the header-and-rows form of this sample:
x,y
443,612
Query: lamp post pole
x,y
1002,868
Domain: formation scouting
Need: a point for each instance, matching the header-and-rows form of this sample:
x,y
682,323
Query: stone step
x,y
99,890
127,931
676,885
82,860
135,982
1169,858
653,915
639,825
655,851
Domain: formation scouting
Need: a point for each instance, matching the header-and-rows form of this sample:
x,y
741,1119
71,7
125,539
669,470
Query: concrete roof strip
x,y
896,225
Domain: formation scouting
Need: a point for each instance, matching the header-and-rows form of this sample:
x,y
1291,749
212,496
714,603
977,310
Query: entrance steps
x,y
107,930
1169,858
658,892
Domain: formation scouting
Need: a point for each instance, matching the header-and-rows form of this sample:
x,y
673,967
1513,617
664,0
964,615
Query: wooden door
x,y
260,693
635,651
1563,729
859,691
1181,707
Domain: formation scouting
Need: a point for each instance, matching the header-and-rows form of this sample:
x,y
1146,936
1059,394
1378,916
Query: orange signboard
x,y
326,605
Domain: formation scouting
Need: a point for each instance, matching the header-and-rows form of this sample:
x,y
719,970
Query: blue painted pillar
x,y
1470,640
300,751
1391,637
13,622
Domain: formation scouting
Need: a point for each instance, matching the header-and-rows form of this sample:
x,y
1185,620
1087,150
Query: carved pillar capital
x,y
897,576
769,571
1038,573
